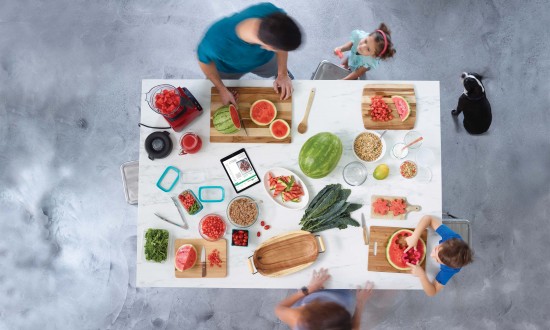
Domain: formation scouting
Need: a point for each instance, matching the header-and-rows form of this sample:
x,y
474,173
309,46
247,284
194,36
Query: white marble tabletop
x,y
336,109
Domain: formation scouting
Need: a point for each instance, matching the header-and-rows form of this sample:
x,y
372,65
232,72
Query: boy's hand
x,y
411,242
416,270
363,294
318,279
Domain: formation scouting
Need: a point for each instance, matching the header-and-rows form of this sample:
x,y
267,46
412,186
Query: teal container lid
x,y
167,186
211,194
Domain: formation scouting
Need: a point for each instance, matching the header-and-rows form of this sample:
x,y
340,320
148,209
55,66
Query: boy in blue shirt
x,y
247,42
452,254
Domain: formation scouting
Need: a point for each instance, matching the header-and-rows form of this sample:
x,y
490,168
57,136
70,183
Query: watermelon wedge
x,y
402,106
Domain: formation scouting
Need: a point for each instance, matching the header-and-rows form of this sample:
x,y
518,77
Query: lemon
x,y
381,172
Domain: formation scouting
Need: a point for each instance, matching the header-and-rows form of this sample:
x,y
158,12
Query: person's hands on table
x,y
416,270
412,241
228,96
283,83
318,279
363,294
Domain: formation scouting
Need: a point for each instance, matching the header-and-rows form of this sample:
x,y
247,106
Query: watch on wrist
x,y
305,290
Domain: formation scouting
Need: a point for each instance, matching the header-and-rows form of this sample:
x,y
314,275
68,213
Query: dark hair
x,y
324,315
455,253
379,39
280,31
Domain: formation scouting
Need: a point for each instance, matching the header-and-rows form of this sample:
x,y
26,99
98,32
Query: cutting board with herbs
x,y
286,254
251,132
196,270
379,262
386,91
397,207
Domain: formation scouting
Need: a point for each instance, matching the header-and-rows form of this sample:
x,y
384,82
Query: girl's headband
x,y
385,42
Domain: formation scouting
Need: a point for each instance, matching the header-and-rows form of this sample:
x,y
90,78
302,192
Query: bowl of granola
x,y
369,147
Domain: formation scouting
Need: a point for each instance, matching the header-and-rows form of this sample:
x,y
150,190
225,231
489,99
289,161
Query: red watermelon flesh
x,y
279,129
380,206
235,116
402,107
398,206
395,250
263,112
186,257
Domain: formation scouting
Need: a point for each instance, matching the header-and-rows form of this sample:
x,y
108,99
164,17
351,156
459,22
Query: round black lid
x,y
158,145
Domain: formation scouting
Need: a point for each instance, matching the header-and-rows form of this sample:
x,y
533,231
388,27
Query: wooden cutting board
x,y
387,91
286,254
256,134
196,271
389,215
378,262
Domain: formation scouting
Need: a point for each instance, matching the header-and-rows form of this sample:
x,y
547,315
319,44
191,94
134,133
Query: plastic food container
x,y
168,179
206,230
248,200
185,201
211,194
130,180
239,237
169,247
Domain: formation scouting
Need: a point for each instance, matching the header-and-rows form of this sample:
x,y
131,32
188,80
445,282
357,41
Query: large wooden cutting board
x,y
390,215
256,134
196,271
285,254
378,262
387,91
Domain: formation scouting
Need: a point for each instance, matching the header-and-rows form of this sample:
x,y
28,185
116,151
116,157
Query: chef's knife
x,y
176,202
203,261
365,230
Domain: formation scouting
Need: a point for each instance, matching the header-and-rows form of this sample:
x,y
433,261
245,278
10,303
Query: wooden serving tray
x,y
286,254
256,134
387,91
389,215
196,271
378,262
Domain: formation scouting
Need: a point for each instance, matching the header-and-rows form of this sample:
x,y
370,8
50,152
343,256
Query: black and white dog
x,y
473,102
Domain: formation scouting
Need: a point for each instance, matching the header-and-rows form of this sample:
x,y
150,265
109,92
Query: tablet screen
x,y
240,170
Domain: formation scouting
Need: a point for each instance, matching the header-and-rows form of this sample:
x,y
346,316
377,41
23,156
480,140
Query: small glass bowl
x,y
237,231
355,173
398,152
206,237
410,137
410,164
252,201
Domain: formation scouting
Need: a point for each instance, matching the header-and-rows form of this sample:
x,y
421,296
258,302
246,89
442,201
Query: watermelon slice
x,y
402,107
279,129
380,206
263,112
186,257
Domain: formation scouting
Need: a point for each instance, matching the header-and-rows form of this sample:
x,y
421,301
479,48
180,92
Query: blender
x,y
182,113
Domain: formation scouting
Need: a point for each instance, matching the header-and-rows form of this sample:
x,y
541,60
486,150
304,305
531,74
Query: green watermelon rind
x,y
275,123
320,154
223,122
258,122
404,102
390,243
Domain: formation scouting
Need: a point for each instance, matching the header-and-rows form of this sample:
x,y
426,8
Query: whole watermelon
x,y
320,155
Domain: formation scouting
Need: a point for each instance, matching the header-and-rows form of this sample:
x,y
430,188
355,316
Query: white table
x,y
337,109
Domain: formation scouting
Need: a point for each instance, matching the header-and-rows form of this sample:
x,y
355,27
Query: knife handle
x,y
365,237
203,269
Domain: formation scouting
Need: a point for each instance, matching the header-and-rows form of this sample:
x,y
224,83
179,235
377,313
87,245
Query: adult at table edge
x,y
259,30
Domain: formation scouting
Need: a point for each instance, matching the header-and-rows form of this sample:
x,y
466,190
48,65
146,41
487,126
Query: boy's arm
x,y
356,74
211,73
430,288
425,222
283,80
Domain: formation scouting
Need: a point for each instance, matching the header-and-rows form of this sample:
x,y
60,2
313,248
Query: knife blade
x,y
164,219
203,261
176,203
365,229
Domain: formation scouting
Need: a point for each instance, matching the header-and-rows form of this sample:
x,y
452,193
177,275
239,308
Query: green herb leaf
x,y
156,245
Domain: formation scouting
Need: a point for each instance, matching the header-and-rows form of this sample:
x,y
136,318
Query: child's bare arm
x,y
344,48
356,74
430,288
425,222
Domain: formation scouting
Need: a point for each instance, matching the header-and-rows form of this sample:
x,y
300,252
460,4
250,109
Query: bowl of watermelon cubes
x,y
164,99
286,189
190,202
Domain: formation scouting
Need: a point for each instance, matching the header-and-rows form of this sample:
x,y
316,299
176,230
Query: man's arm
x,y
283,80
286,313
212,74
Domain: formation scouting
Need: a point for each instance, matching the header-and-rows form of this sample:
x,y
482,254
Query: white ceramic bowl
x,y
381,154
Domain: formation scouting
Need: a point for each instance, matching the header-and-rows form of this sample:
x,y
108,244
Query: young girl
x,y
366,51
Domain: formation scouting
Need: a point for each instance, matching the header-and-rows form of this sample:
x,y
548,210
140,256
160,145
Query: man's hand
x,y
285,84
416,270
363,294
228,96
318,280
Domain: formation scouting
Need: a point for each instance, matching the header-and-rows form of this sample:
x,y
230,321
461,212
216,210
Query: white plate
x,y
278,171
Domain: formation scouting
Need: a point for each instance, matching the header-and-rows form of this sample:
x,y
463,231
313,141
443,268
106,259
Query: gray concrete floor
x,y
70,76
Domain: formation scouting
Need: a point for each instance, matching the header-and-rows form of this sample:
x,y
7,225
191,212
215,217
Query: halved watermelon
x,y
279,129
402,107
186,257
263,112
226,119
395,250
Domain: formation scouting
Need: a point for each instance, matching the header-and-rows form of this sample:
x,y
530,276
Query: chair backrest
x,y
461,227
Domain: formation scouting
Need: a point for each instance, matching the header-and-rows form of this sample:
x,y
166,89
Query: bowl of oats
x,y
369,147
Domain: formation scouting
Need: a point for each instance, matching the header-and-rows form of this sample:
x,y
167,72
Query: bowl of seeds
x,y
242,211
369,147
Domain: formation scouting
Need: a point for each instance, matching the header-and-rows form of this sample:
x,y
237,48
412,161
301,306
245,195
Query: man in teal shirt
x,y
247,42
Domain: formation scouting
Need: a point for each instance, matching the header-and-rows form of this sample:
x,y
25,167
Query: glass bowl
x,y
355,173
150,98
250,201
398,152
381,140
408,169
243,233
410,137
206,220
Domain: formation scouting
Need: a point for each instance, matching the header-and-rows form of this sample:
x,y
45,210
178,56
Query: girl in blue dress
x,y
366,51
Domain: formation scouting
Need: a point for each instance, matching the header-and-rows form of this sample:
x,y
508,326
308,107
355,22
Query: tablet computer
x,y
240,171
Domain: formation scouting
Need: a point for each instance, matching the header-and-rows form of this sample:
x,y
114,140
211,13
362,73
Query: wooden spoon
x,y
302,127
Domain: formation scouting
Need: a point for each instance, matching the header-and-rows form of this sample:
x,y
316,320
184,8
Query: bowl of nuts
x,y
369,147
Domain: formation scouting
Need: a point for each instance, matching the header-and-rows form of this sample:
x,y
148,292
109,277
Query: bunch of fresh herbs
x,y
156,245
329,209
